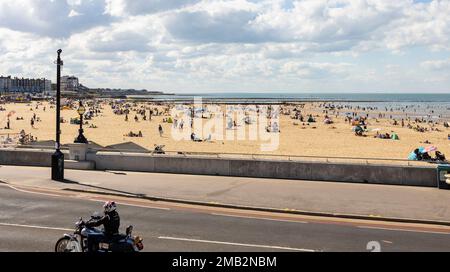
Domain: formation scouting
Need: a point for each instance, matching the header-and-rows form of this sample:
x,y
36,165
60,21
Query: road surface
x,y
31,221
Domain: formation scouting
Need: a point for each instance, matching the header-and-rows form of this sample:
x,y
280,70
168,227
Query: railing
x,y
327,159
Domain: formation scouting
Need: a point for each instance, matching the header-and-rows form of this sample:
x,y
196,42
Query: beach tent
x,y
412,156
394,136
170,121
357,129
422,150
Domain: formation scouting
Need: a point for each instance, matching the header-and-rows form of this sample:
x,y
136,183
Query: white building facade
x,y
24,85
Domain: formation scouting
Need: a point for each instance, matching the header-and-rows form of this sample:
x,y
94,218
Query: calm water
x,y
361,97
429,105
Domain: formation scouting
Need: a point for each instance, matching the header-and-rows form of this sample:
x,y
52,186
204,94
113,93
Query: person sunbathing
x,y
426,157
195,138
130,134
440,157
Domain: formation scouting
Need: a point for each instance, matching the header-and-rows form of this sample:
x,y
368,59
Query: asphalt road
x,y
34,222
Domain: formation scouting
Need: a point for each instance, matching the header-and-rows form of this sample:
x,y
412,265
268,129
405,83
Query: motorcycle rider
x,y
110,222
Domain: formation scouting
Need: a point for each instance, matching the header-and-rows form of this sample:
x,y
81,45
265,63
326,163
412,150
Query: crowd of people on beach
x,y
134,135
384,123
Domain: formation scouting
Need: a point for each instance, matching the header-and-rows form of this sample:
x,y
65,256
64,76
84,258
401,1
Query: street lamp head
x,y
59,51
81,110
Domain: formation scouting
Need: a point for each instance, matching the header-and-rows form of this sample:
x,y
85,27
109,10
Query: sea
x,y
287,97
417,105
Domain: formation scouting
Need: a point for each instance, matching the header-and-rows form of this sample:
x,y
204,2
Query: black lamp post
x,y
81,139
58,156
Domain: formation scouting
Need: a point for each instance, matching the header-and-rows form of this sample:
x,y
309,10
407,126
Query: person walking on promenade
x,y
161,131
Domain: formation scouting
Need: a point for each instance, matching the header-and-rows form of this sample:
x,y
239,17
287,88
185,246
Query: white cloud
x,y
142,7
74,13
52,18
220,44
437,65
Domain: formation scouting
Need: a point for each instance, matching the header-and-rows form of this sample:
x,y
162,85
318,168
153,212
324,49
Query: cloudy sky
x,y
232,45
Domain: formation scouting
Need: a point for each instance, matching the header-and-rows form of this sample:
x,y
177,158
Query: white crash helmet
x,y
109,206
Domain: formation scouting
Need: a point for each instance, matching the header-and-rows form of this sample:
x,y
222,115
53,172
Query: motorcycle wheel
x,y
63,245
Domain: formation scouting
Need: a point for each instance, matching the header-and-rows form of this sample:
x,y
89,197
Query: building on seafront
x,y
70,85
24,85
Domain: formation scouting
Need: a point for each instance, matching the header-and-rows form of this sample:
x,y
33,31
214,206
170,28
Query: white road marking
x,y
28,192
33,227
235,244
260,218
95,200
421,231
134,205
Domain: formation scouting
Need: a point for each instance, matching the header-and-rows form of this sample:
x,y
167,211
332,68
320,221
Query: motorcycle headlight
x,y
138,242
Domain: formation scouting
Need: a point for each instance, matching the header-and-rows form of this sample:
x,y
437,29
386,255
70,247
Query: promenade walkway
x,y
324,197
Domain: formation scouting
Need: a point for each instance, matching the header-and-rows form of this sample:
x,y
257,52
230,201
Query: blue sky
x,y
233,45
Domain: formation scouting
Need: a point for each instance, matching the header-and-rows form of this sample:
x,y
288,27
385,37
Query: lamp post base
x,y
81,139
58,166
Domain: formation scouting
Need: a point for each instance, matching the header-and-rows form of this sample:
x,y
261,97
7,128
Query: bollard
x,y
443,176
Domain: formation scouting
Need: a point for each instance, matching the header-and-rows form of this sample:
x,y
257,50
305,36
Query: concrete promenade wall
x,y
344,172
359,173
26,157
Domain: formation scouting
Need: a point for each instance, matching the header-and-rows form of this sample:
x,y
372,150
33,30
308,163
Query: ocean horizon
x,y
286,97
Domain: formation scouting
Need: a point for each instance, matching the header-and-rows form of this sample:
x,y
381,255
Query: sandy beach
x,y
296,137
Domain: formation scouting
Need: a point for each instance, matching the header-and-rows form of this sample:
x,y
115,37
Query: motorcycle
x,y
77,242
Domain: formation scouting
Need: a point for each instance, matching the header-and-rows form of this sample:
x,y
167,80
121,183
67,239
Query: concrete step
x,y
79,165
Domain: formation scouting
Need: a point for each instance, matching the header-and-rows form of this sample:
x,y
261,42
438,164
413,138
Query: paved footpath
x,y
311,196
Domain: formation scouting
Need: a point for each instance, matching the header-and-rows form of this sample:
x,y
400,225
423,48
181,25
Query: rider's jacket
x,y
111,223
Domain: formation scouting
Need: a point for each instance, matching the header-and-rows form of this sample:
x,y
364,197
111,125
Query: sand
x,y
317,139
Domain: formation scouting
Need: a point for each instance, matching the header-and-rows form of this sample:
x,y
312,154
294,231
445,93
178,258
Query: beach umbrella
x,y
11,113
430,148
